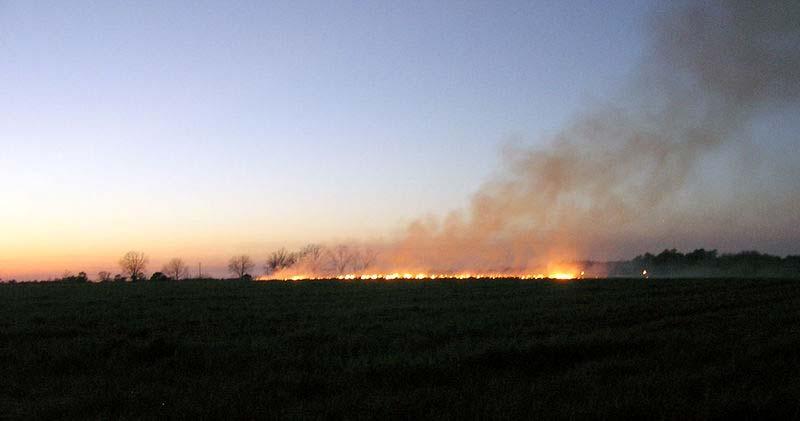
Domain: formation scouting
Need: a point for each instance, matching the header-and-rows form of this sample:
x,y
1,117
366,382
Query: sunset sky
x,y
204,129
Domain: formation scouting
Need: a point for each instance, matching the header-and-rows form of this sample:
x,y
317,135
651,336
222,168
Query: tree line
x,y
707,263
318,260
312,259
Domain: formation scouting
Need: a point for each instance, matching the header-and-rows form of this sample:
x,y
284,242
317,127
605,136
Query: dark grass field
x,y
658,349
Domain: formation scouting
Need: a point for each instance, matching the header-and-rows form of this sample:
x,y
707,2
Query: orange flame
x,y
560,274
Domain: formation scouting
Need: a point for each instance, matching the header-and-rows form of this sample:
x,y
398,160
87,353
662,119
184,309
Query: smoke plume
x,y
617,171
710,68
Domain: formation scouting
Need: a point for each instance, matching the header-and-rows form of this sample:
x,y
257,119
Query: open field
x,y
609,348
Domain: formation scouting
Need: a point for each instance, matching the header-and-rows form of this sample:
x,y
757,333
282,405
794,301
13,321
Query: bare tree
x,y
134,263
369,256
240,265
364,258
312,251
340,258
103,276
278,260
310,257
176,269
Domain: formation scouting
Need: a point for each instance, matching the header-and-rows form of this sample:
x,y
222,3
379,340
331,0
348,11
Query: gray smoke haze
x,y
616,171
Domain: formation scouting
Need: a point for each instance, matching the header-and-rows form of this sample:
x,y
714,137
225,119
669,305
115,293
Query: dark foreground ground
x,y
672,349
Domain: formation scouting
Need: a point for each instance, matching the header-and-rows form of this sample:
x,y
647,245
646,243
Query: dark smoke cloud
x,y
613,173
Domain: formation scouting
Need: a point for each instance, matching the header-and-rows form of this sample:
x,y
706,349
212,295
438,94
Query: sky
x,y
205,129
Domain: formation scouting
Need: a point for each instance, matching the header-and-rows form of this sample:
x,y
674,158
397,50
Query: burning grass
x,y
421,276
559,271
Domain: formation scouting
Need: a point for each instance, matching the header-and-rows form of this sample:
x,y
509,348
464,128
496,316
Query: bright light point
x,y
561,276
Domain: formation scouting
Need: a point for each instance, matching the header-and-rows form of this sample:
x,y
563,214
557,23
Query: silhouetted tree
x,y
701,256
340,258
158,276
176,269
310,257
668,258
278,260
701,262
103,276
240,265
364,258
80,278
792,263
134,263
